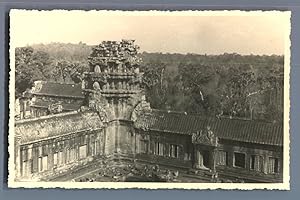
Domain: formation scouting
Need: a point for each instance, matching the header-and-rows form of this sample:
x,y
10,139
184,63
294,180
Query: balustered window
x,y
55,157
273,165
82,140
60,158
239,160
174,150
144,146
222,158
256,162
24,156
92,151
60,149
71,151
35,154
82,151
159,148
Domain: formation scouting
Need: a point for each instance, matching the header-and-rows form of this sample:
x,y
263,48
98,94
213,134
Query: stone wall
x,y
52,156
45,145
31,130
259,169
110,138
125,138
159,148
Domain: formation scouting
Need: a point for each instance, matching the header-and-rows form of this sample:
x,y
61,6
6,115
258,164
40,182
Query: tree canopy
x,y
227,84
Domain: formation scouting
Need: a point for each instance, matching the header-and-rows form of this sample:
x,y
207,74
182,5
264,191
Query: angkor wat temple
x,y
107,119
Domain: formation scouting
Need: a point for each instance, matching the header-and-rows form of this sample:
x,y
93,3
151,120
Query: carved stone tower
x,y
113,88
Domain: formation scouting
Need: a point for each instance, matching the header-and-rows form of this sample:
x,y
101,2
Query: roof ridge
x,y
60,83
46,117
215,117
250,131
177,112
247,120
170,111
197,115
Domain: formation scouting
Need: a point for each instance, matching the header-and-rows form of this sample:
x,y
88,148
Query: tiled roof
x,y
66,106
225,128
57,89
31,130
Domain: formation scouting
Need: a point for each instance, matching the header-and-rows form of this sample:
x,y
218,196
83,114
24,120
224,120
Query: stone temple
x,y
106,123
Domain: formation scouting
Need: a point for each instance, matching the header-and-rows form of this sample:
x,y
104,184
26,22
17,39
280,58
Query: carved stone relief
x,y
142,107
206,137
100,105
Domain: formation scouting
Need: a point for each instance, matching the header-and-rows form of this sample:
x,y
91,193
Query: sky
x,y
167,32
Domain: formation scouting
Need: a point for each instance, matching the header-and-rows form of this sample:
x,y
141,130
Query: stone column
x,y
17,159
50,156
247,161
101,137
64,154
133,139
265,167
35,158
135,143
30,158
196,157
24,108
213,159
88,145
280,164
76,148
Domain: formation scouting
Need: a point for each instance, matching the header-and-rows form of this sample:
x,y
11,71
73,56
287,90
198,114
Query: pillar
x,y
99,135
30,158
64,159
213,159
265,167
88,145
24,108
50,156
198,157
76,148
17,159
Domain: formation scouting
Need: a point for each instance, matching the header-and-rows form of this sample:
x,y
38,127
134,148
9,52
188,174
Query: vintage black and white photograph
x,y
149,99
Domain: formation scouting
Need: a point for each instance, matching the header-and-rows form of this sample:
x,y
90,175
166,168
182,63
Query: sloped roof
x,y
31,130
57,89
225,128
66,106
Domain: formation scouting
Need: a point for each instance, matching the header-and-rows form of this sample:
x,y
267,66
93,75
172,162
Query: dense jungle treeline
x,y
227,84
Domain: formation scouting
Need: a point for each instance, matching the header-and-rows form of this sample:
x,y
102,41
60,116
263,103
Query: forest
x,y
246,86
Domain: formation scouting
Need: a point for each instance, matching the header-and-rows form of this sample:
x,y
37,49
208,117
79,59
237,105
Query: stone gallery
x,y
105,130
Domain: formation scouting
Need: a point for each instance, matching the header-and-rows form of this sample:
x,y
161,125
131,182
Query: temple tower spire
x,y
113,88
114,76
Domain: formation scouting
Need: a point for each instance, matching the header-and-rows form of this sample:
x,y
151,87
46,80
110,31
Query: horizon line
x,y
157,52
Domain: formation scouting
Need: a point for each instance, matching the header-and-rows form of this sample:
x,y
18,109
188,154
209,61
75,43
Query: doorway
x,y
203,159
